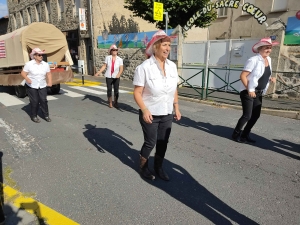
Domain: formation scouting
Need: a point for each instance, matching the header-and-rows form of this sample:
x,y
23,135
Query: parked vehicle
x,y
16,46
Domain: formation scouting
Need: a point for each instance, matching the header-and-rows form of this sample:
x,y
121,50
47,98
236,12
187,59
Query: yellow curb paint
x,y
78,82
36,208
130,92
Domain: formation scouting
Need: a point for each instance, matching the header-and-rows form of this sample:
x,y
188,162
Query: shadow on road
x,y
278,146
183,187
122,106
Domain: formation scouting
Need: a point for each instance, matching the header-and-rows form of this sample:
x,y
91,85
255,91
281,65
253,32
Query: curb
x,y
267,111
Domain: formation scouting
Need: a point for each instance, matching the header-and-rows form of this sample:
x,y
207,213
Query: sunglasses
x,y
39,55
114,50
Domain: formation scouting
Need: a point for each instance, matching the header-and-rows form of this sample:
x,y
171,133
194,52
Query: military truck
x,y
16,46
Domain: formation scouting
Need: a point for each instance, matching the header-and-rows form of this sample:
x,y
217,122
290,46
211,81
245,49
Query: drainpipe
x,y
92,34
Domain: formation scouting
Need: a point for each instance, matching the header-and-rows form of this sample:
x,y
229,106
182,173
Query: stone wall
x,y
67,20
132,57
289,63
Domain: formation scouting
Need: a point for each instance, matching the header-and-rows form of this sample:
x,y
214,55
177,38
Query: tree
x,y
180,11
122,26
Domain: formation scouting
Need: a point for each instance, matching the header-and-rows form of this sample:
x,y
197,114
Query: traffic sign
x,y
158,11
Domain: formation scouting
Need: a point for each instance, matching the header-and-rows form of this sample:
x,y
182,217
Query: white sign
x,y
82,21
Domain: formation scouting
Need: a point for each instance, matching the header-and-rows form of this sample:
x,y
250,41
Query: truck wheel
x,y
20,91
55,89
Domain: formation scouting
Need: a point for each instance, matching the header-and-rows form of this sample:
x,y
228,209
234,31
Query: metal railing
x,y
204,91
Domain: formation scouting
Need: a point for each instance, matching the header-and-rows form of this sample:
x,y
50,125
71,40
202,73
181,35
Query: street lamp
x,y
167,20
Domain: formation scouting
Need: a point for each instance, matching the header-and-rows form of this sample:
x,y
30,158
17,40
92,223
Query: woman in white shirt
x,y
255,78
155,92
114,65
34,73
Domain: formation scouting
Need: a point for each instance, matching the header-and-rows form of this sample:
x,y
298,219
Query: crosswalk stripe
x,y
70,93
105,88
49,97
9,100
88,90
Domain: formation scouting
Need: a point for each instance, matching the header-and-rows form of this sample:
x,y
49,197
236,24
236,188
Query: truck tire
x,y
55,89
20,91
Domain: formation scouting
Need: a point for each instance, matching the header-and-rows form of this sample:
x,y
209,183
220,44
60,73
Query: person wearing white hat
x,y
155,92
255,79
34,73
114,65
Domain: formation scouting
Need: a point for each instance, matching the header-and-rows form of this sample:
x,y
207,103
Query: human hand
x,y
273,79
147,117
118,76
96,75
28,80
177,115
252,94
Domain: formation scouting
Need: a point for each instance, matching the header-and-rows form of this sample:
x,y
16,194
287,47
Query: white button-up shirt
x,y
256,66
108,62
159,90
37,73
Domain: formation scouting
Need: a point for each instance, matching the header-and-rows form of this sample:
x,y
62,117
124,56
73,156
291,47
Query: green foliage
x,y
180,11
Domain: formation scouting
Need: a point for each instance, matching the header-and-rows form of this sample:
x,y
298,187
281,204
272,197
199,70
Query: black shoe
x,y
247,139
162,174
35,119
236,135
47,118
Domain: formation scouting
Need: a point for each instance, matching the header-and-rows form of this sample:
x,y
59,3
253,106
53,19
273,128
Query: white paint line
x,y
13,137
70,93
49,97
10,100
105,88
88,90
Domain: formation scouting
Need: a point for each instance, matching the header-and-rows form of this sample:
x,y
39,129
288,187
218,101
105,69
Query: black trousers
x,y
38,97
251,111
113,82
157,133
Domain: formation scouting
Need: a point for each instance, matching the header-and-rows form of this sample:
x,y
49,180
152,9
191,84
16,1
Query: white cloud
x,y
3,10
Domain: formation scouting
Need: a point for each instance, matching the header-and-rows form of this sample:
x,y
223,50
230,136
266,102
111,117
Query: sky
x,y
3,8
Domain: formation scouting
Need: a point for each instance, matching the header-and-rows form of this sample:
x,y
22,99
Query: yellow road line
x,y
36,208
78,82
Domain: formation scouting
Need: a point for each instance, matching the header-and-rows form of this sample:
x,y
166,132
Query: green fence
x,y
203,91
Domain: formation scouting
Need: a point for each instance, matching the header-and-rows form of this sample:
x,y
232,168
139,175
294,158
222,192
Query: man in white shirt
x,y
34,73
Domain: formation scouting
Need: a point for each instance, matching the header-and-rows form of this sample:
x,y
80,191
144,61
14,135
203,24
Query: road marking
x,y
36,208
10,100
70,93
78,82
105,88
50,97
89,90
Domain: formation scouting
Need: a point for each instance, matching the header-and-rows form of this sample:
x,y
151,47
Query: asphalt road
x,y
84,164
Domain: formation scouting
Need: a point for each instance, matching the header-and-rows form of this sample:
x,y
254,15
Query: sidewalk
x,y
289,108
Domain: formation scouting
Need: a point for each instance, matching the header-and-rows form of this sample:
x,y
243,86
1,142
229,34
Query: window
x,y
38,13
48,12
14,22
60,9
248,1
29,16
76,6
21,18
279,5
222,12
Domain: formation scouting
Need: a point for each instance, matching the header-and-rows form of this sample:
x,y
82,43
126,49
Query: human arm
x,y
101,70
245,82
120,71
49,79
24,75
137,93
176,107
